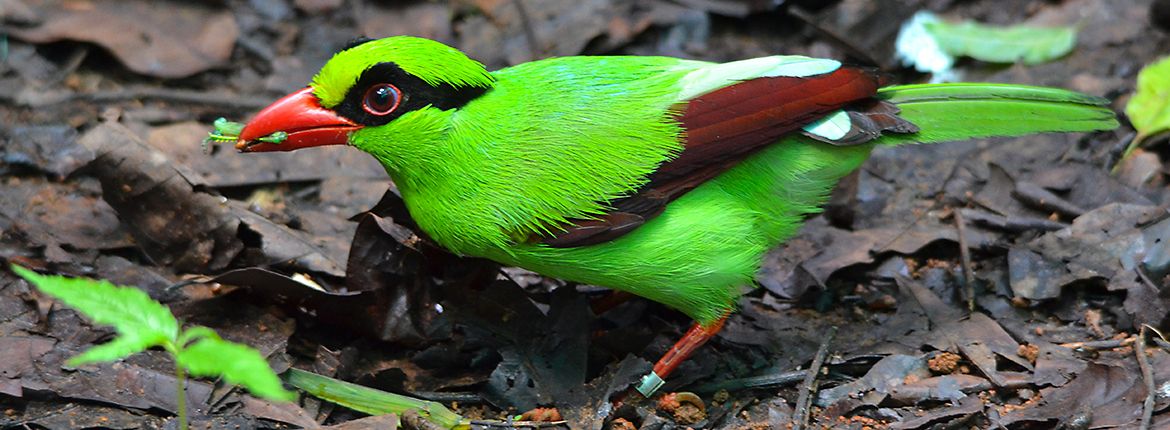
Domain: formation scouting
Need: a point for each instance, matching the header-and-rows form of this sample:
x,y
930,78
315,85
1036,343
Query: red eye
x,y
381,99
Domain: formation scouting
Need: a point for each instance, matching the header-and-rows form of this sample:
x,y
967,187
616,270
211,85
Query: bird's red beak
x,y
295,121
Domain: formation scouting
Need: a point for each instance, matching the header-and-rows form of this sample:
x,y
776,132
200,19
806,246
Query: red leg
x,y
695,337
610,301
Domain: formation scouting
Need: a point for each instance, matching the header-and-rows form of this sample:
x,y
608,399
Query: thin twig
x,y
1112,159
1038,197
179,96
1010,224
841,41
1161,342
1098,344
71,64
772,380
529,34
804,400
1147,376
227,101
609,301
965,256
447,397
1143,361
1149,283
257,48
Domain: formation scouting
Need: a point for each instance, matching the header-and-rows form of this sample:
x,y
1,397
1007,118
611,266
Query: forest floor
x,y
104,106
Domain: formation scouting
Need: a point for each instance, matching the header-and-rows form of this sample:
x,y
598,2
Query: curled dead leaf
x,y
158,38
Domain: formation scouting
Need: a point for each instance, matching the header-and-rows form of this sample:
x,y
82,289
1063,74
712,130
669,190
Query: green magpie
x,y
662,177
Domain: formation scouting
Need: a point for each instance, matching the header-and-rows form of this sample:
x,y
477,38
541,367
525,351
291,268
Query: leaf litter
x,y
1065,256
167,39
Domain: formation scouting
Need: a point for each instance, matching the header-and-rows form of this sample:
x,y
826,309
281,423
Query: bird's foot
x,y
683,349
542,415
685,407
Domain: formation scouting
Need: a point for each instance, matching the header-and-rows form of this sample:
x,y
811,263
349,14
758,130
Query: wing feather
x,y
725,125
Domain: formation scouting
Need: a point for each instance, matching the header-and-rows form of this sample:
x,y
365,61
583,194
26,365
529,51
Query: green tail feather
x,y
948,112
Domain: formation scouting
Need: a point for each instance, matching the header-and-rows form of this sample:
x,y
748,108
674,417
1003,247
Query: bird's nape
x,y
295,121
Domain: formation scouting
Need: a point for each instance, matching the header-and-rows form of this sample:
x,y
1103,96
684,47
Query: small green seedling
x,y
228,131
143,323
1149,108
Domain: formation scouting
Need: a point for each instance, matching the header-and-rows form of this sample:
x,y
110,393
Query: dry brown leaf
x,y
500,36
172,222
423,19
167,39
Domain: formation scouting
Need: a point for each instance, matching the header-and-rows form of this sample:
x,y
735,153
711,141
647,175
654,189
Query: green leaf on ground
x,y
121,347
369,400
1026,44
236,363
1149,108
930,44
140,321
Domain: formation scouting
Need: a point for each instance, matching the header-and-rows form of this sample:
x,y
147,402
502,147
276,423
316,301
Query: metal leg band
x,y
649,384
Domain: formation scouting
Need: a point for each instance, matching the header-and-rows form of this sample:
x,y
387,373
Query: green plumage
x,y
948,112
555,140
431,61
491,173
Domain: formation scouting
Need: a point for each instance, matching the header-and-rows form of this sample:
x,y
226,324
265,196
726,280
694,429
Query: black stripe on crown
x,y
416,94
355,42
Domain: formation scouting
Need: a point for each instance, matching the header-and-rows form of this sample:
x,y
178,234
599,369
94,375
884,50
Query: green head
x,y
365,86
431,62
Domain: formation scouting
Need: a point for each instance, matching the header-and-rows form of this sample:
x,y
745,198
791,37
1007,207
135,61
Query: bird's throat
x,y
413,148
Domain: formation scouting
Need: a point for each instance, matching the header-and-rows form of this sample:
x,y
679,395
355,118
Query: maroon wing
x,y
725,126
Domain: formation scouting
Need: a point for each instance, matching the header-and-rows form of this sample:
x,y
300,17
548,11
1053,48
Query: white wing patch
x,y
716,76
833,126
